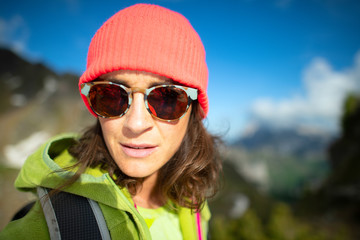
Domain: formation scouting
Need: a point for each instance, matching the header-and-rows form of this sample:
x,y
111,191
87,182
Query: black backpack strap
x,y
70,216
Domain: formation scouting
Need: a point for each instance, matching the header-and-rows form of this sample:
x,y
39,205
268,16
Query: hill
x,y
36,103
281,162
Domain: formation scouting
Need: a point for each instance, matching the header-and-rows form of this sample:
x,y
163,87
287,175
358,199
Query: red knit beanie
x,y
149,38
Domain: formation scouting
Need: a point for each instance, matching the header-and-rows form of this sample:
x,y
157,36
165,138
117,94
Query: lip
x,y
138,150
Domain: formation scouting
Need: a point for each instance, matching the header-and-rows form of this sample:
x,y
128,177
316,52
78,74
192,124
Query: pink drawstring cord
x,y
198,221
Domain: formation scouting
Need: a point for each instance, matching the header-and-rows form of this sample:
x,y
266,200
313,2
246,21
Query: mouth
x,y
138,150
139,147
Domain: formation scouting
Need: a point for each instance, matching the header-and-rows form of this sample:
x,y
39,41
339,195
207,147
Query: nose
x,y
137,120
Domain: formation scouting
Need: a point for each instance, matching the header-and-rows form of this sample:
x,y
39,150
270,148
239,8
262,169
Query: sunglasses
x,y
113,100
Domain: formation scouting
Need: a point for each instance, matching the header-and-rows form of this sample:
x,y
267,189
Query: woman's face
x,y
139,143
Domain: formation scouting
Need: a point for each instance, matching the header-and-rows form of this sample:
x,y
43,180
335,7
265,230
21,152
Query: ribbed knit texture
x,y
149,38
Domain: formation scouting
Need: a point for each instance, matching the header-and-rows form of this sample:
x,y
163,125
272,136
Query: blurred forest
x,y
277,184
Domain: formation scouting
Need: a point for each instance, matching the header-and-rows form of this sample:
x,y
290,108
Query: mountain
x,y
281,162
35,103
22,81
342,186
338,198
300,142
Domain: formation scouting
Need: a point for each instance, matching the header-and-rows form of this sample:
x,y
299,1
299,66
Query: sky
x,y
283,63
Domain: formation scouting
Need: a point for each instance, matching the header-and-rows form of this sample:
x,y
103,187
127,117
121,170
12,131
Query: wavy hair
x,y
188,178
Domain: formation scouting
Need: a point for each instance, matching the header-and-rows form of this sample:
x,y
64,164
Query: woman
x,y
148,162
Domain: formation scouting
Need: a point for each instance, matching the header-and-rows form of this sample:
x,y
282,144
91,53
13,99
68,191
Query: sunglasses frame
x,y
191,93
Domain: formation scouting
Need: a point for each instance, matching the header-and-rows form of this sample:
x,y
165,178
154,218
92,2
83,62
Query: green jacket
x,y
46,168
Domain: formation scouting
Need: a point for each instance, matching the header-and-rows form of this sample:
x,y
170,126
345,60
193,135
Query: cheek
x,y
109,129
105,127
173,134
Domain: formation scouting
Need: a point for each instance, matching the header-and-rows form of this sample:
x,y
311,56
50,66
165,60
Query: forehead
x,y
131,78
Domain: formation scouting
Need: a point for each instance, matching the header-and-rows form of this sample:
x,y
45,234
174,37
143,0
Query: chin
x,y
137,174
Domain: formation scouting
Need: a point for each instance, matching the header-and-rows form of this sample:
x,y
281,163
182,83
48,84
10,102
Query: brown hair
x,y
188,178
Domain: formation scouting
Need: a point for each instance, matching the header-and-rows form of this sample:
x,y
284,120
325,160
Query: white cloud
x,y
321,104
14,33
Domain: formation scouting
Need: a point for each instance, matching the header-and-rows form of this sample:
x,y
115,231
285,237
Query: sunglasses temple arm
x,y
192,93
85,88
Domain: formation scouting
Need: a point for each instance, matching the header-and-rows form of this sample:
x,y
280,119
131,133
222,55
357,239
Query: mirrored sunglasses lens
x,y
108,100
167,103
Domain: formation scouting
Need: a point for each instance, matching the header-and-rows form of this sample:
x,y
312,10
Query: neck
x,y
148,196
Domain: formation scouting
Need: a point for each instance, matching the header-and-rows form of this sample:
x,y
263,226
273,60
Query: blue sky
x,y
279,62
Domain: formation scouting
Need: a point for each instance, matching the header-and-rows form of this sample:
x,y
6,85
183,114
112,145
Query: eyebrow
x,y
123,82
